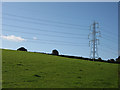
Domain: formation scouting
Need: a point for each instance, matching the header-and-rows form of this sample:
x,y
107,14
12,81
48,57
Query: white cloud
x,y
13,38
35,38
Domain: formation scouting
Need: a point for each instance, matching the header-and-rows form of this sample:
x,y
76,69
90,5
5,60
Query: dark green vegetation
x,y
35,70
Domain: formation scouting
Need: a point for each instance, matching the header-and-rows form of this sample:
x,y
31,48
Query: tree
x,y
55,52
22,49
99,59
111,60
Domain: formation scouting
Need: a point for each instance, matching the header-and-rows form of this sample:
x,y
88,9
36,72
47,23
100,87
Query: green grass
x,y
20,70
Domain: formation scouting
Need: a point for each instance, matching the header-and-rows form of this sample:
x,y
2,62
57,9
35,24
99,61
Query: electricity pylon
x,y
93,40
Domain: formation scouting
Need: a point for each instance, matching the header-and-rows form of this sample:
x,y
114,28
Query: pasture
x,y
34,70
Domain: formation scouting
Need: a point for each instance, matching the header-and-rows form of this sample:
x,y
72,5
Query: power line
x,y
106,55
53,21
108,46
40,29
39,23
61,41
52,40
38,19
109,49
106,35
53,43
57,44
109,39
108,32
45,41
46,34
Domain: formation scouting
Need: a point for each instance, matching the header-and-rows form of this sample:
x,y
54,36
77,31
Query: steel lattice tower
x,y
93,40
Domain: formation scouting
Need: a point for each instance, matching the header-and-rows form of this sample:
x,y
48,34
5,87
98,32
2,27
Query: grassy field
x,y
35,70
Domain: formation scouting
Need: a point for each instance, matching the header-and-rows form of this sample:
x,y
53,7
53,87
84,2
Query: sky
x,y
65,26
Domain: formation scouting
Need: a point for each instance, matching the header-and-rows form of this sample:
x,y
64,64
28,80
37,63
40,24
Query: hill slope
x,y
34,70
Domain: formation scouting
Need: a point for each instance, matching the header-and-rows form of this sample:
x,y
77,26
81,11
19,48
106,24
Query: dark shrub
x,y
99,59
55,52
111,61
22,49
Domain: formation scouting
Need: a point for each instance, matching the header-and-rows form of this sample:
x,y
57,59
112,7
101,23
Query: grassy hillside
x,y
34,70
